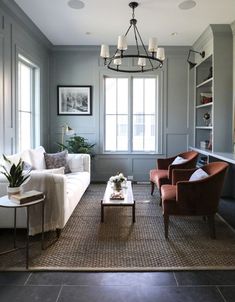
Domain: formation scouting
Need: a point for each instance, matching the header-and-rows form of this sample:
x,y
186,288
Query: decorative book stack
x,y
25,197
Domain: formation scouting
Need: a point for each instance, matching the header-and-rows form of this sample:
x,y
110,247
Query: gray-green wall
x,y
82,66
19,35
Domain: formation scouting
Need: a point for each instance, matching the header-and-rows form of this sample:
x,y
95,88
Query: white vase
x,y
13,190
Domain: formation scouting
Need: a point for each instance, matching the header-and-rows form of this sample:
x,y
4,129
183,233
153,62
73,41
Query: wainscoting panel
x,y
141,168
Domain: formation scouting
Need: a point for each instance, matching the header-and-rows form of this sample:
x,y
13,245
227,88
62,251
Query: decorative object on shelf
x,y
117,181
206,118
65,130
204,144
15,174
154,56
74,100
205,97
191,64
210,75
78,144
209,147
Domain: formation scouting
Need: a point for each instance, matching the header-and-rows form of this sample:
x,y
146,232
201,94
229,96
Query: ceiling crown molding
x,y
14,11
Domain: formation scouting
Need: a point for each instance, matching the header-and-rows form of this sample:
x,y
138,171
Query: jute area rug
x,y
117,244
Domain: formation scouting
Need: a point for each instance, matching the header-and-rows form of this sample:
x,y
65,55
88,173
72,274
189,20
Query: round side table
x,y
5,202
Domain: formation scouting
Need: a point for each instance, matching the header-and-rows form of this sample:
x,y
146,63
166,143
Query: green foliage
x,y
78,144
15,175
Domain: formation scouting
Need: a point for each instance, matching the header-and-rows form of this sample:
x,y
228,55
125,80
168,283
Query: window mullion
x,y
117,114
143,114
130,115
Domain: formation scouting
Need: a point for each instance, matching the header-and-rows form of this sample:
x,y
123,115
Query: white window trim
x,y
159,75
35,113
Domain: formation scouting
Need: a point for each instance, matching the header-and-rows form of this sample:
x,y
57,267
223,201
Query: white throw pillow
x,y
51,171
13,158
75,162
37,158
198,174
179,160
26,156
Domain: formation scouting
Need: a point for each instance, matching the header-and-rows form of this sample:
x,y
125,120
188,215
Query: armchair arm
x,y
163,163
181,175
200,196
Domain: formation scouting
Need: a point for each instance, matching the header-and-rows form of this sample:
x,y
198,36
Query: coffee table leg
x,y
42,239
133,212
14,228
102,211
27,243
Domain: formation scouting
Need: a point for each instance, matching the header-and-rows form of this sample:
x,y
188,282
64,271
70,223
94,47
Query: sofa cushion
x,y
37,158
51,171
57,160
75,162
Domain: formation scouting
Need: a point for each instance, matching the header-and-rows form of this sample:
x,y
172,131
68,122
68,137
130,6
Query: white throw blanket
x,y
53,210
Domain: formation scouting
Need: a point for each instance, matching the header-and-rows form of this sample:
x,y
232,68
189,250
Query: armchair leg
x,y
211,222
166,224
152,187
160,202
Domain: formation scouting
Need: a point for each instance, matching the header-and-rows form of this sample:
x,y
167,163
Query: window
x,y
27,105
130,114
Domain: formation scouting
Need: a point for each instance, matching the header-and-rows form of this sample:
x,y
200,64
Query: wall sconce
x,y
65,130
191,64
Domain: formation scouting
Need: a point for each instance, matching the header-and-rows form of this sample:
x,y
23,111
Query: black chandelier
x,y
146,61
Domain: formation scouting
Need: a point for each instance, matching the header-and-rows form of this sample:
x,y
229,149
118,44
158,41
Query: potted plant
x,y
15,174
78,144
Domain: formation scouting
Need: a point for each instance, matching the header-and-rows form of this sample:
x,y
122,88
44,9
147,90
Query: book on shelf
x,y
25,197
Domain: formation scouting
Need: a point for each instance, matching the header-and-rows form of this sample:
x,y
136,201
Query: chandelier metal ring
x,y
147,60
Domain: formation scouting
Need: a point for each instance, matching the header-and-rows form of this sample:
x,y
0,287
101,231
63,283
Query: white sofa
x,y
63,191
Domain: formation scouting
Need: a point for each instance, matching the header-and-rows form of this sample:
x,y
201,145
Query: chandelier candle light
x,y
154,57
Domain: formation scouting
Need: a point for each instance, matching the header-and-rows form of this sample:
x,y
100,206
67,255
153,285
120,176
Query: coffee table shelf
x,y
127,202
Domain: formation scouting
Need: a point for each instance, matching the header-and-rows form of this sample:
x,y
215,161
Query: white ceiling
x,y
106,19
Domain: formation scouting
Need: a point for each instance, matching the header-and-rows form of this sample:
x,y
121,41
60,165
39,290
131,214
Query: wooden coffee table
x,y
127,202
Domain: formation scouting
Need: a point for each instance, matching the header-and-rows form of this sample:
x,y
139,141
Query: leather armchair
x,y
194,198
163,173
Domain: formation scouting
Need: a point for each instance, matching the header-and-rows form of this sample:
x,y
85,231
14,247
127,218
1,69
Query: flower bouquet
x,y
117,181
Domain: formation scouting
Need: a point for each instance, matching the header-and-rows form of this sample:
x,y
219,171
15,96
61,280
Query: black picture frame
x,y
74,100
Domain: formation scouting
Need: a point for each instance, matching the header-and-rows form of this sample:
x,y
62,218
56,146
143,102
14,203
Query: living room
x,y
60,42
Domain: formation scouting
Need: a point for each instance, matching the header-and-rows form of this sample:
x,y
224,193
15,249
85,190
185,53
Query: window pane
x,y
24,130
110,133
149,135
110,95
24,87
138,96
122,96
149,97
116,120
122,135
138,132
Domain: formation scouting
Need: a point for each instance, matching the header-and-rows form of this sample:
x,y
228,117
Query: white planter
x,y
13,190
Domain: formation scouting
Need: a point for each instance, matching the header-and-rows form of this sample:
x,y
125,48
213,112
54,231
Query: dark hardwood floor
x,y
209,286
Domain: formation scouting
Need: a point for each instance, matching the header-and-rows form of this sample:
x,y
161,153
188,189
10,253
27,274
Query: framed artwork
x,y
74,100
